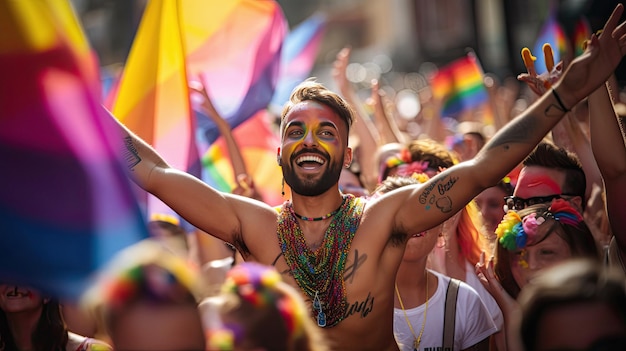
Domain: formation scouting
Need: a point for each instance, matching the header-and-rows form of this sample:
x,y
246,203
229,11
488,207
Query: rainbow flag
x,y
298,57
459,86
553,34
66,206
153,94
258,143
232,46
582,33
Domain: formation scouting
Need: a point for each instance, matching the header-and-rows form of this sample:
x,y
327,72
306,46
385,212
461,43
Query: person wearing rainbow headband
x,y
530,241
257,310
538,237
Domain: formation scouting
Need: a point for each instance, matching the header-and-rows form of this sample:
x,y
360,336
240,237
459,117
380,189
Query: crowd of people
x,y
511,241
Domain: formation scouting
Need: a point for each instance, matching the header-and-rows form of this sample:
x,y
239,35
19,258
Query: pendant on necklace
x,y
317,306
415,345
321,319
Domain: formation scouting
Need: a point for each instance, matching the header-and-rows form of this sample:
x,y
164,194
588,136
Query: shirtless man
x,y
350,284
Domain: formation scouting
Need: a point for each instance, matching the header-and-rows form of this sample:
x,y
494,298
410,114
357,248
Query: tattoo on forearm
x,y
361,307
554,111
518,131
131,155
350,271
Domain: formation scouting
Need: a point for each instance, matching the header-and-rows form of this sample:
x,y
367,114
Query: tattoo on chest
x,y
283,272
349,273
362,308
131,155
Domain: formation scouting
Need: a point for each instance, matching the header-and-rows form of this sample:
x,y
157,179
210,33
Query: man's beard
x,y
312,187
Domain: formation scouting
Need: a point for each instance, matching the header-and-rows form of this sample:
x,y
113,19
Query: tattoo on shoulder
x,y
131,155
518,131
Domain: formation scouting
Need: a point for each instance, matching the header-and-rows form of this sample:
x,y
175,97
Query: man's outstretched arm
x,y
452,189
206,208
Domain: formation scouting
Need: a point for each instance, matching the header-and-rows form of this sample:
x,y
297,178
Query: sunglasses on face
x,y
517,203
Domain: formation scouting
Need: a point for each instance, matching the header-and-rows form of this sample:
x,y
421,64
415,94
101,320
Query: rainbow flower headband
x,y
256,284
402,161
515,233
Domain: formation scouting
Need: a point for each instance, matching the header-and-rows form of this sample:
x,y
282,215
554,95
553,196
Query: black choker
x,y
326,216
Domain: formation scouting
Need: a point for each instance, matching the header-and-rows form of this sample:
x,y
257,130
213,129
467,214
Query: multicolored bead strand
x,y
319,273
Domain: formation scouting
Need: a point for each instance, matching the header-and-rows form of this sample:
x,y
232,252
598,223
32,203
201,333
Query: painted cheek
x,y
292,143
328,147
288,149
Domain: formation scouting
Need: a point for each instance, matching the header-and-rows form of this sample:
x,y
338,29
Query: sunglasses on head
x,y
517,203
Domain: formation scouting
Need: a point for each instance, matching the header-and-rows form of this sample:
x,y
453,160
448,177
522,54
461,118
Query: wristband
x,y
558,100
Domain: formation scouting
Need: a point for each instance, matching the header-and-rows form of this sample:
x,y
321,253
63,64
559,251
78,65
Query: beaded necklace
x,y
321,218
319,273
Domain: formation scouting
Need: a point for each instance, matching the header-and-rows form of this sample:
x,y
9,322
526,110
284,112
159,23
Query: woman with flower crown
x,y
530,241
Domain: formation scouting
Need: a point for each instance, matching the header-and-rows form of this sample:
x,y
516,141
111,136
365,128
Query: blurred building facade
x,y
407,32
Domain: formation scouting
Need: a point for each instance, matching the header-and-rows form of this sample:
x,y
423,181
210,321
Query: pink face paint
x,y
545,181
532,184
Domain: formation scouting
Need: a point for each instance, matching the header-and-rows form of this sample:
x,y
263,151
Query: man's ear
x,y
280,163
347,158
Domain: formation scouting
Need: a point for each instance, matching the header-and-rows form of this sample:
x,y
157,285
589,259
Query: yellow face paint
x,y
312,125
522,259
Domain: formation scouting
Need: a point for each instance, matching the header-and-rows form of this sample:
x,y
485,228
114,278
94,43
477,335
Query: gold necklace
x,y
417,340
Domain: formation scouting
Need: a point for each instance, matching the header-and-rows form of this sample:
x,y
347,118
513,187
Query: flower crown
x,y
257,284
515,233
402,162
401,158
420,177
154,275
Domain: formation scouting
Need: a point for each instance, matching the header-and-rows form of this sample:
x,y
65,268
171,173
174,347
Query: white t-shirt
x,y
492,306
473,322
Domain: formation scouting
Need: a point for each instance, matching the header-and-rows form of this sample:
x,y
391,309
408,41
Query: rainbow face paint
x,y
311,123
314,141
